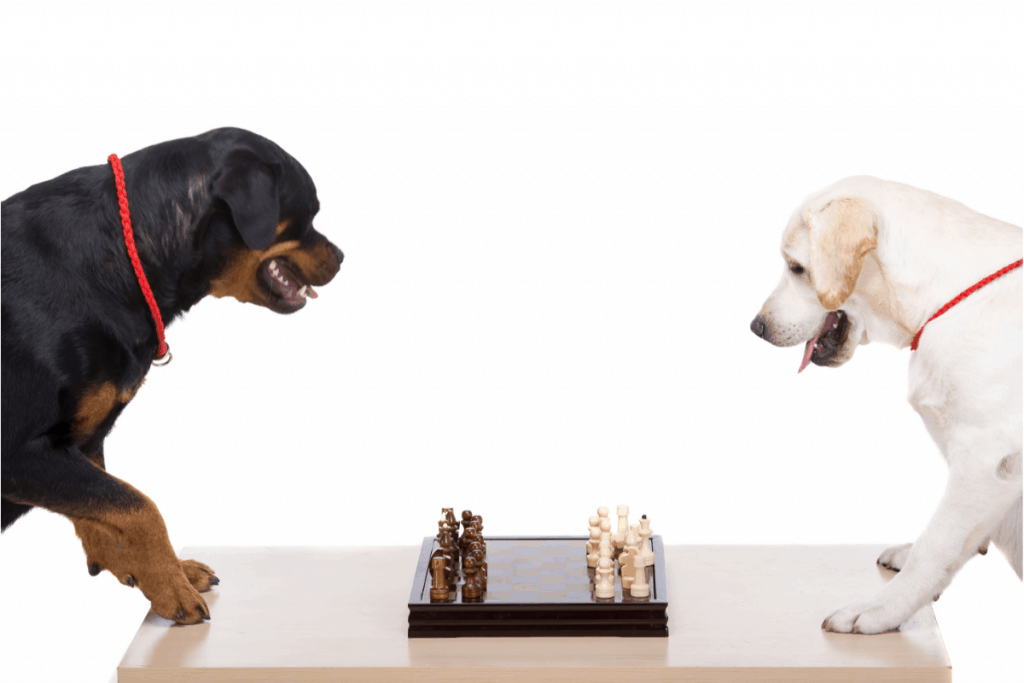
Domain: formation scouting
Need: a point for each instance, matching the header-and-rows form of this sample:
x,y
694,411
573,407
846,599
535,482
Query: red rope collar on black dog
x,y
133,254
963,295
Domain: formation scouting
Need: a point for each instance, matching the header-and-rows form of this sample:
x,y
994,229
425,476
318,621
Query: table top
x,y
738,613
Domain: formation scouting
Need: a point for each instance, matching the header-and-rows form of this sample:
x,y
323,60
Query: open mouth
x,y
827,341
287,288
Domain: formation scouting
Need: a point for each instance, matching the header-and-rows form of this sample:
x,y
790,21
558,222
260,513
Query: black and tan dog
x,y
226,213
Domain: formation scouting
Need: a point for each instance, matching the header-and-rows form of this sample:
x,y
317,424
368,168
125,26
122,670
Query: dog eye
x,y
796,269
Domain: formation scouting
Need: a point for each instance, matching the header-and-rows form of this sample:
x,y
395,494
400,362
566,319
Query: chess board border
x,y
562,618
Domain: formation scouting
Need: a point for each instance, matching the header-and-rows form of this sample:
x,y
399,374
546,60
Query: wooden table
x,y
737,613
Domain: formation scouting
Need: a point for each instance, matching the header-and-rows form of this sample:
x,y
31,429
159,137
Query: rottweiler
x,y
226,213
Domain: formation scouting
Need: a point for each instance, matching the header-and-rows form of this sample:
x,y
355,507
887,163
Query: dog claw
x,y
94,569
180,616
130,581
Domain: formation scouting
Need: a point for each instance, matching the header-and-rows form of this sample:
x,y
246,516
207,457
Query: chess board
x,y
539,586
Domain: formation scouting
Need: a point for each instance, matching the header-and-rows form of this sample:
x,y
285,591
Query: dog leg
x,y
102,551
63,480
1007,537
974,502
895,558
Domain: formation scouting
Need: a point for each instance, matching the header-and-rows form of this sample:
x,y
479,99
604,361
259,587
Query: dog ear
x,y
841,234
249,187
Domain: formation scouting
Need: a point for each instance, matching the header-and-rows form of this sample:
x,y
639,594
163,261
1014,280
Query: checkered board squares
x,y
539,586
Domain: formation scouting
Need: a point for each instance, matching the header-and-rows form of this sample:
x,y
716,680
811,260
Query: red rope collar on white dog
x,y
133,254
963,295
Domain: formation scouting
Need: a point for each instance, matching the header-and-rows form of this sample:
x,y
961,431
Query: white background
x,y
558,220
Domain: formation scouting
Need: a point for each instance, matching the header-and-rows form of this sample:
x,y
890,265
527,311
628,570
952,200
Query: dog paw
x,y
895,558
862,617
199,575
173,597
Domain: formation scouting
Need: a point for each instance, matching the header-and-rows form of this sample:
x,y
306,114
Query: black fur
x,y
73,315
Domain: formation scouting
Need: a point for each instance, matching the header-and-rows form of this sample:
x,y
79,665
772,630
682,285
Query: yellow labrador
x,y
871,260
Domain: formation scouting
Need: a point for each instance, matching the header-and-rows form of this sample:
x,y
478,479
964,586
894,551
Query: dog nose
x,y
338,254
757,326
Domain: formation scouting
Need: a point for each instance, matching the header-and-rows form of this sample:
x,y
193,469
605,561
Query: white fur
x,y
964,380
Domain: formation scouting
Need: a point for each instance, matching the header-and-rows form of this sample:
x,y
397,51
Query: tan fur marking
x,y
841,234
94,406
239,278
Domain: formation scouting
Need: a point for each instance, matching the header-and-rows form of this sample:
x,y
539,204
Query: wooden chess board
x,y
539,586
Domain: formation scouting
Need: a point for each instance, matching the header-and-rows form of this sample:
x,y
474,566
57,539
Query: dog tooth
x,y
302,292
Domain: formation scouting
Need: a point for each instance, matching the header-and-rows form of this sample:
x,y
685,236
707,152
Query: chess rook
x,y
439,590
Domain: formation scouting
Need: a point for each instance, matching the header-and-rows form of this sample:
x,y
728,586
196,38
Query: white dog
x,y
871,260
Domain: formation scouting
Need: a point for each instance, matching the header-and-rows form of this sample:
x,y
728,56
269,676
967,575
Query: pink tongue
x,y
310,293
830,320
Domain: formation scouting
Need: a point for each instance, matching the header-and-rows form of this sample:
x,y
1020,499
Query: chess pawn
x,y
468,536
605,551
467,520
606,530
471,590
592,546
640,588
595,526
605,587
439,588
478,524
646,551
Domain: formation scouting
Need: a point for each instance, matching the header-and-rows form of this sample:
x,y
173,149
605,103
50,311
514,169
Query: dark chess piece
x,y
450,552
468,537
478,524
477,553
467,520
449,515
472,590
439,589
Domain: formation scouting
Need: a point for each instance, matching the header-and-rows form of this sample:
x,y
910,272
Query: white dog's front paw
x,y
895,558
862,617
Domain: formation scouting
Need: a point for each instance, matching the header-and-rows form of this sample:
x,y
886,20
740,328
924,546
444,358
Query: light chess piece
x,y
646,552
606,531
619,537
640,588
626,558
605,587
595,525
592,546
